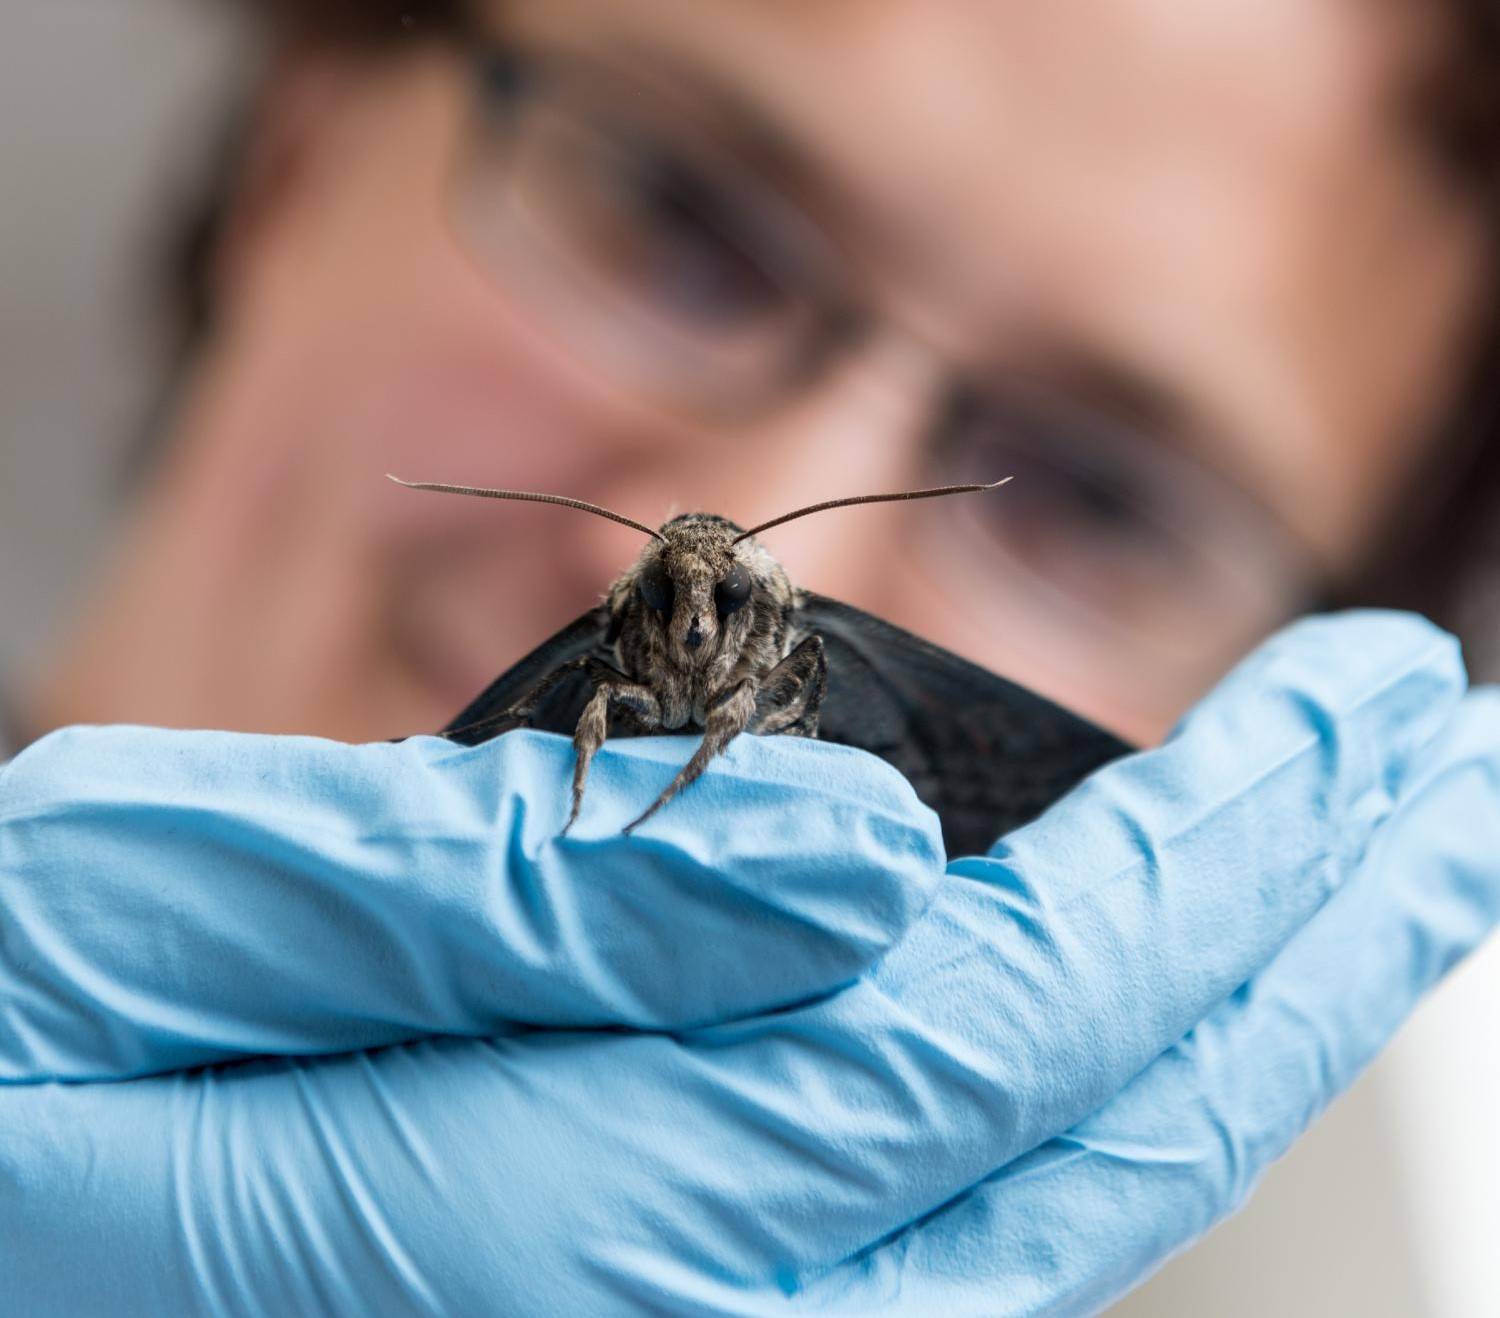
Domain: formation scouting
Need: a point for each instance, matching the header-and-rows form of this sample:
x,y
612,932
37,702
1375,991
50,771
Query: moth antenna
x,y
937,493
525,496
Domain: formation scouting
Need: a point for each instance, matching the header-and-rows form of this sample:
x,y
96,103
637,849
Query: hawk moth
x,y
706,632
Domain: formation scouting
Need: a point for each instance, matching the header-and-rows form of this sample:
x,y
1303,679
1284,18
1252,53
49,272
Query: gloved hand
x,y
1168,910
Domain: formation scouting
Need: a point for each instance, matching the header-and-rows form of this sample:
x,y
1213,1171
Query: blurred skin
x,y
1219,196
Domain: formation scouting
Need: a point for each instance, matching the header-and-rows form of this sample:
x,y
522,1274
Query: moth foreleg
x,y
611,689
791,694
723,721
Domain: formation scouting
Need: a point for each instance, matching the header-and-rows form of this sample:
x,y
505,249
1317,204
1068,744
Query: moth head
x,y
700,585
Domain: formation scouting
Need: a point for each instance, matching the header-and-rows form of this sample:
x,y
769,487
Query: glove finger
x,y
1075,1223
174,898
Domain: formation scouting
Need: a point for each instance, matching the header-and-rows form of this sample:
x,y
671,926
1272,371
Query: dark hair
x,y
1441,555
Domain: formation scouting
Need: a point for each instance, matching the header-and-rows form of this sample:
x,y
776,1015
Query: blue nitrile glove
x,y
169,899
797,1160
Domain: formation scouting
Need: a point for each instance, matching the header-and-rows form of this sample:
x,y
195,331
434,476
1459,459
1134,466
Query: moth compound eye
x,y
732,592
657,589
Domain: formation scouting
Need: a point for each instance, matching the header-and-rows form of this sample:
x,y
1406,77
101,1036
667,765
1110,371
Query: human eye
x,y
679,233
1092,508
669,226
1077,471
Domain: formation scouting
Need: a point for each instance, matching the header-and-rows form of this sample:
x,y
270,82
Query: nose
x,y
694,636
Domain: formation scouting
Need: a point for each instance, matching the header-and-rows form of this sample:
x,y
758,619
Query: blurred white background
x,y
108,109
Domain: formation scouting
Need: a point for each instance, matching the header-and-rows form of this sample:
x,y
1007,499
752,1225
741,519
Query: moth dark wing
x,y
559,709
986,754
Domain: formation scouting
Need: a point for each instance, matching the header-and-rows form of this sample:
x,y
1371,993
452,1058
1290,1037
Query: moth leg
x,y
612,689
724,720
791,694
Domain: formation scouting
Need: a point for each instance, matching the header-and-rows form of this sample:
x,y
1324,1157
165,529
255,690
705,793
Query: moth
x,y
706,632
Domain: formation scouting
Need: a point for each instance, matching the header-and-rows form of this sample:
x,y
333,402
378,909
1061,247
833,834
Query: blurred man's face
x,y
1178,269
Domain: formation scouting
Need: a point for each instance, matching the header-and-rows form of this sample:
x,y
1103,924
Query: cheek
x,y
1047,655
428,374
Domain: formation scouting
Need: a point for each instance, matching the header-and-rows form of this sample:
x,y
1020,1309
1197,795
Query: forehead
x,y
1217,193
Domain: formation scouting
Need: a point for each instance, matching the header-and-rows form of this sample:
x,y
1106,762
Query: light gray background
x,y
1388,1210
102,106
